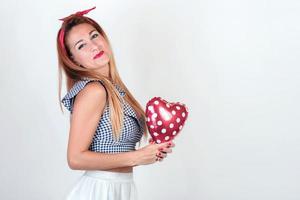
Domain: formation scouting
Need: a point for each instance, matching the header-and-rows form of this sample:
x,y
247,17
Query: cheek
x,y
81,57
105,45
108,50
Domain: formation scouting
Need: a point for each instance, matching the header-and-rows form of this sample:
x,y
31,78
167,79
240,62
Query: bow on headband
x,y
79,13
62,31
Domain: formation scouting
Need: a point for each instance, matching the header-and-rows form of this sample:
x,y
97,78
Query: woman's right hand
x,y
153,152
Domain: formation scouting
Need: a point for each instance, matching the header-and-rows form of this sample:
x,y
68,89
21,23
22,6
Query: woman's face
x,y
88,47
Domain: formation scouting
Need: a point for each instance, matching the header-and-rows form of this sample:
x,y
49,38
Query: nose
x,y
94,46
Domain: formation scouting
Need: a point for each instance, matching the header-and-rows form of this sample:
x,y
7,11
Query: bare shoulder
x,y
93,89
91,96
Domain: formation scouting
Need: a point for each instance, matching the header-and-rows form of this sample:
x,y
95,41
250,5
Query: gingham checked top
x,y
103,138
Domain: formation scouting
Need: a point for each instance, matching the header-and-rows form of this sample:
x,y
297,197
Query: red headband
x,y
62,31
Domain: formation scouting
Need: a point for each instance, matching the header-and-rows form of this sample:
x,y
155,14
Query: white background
x,y
234,63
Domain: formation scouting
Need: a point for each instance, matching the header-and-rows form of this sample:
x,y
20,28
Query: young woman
x,y
106,121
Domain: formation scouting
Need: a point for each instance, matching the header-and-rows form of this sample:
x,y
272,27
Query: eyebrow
x,y
82,40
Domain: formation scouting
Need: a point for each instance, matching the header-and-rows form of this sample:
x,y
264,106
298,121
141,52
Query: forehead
x,y
79,32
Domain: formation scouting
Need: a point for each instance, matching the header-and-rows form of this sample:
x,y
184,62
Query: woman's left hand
x,y
164,151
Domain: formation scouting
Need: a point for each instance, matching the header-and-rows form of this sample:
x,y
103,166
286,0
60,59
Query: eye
x,y
80,46
95,35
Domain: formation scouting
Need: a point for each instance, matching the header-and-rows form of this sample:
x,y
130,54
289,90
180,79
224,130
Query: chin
x,y
100,64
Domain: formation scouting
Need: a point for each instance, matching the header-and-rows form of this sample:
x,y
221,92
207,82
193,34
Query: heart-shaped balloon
x,y
165,120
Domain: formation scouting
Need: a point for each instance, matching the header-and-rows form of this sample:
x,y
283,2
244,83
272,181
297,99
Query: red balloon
x,y
165,120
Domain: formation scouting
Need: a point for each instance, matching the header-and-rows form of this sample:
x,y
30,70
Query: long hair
x,y
74,73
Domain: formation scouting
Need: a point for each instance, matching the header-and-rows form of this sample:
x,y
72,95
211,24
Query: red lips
x,y
98,55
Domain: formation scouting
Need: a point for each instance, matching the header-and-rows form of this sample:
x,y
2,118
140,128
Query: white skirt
x,y
104,185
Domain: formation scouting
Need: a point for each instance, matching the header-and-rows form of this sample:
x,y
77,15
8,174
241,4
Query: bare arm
x,y
87,110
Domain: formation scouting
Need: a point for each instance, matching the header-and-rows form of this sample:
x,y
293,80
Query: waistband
x,y
111,176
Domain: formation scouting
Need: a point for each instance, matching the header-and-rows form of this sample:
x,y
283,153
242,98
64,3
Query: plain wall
x,y
235,64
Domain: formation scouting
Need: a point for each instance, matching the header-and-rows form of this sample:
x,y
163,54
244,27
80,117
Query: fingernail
x,y
160,149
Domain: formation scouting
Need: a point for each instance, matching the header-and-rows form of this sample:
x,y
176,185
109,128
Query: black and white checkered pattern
x,y
103,140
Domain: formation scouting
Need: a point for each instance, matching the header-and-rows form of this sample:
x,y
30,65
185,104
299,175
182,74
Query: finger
x,y
166,150
161,155
151,141
158,154
163,145
171,144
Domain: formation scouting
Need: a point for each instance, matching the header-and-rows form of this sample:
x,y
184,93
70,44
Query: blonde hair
x,y
73,73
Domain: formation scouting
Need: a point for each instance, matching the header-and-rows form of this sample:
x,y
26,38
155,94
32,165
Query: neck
x,y
104,71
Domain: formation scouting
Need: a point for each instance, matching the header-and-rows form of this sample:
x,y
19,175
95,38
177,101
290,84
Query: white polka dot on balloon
x,y
171,125
173,112
159,123
155,134
151,126
180,127
174,132
163,130
154,115
178,120
177,107
168,105
148,119
156,102
158,141
151,108
167,138
183,114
